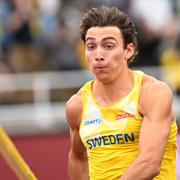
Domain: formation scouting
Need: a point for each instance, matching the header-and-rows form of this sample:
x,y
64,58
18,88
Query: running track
x,y
46,155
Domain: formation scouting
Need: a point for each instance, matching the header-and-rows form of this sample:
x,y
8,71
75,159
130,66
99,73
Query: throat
x,y
108,94
109,99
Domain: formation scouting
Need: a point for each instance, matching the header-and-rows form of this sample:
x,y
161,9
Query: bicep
x,y
156,124
77,149
73,116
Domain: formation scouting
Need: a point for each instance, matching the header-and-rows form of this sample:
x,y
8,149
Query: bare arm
x,y
156,106
77,160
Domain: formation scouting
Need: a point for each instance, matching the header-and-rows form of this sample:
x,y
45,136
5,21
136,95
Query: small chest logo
x,y
125,115
92,121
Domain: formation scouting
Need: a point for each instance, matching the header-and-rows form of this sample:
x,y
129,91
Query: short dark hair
x,y
105,16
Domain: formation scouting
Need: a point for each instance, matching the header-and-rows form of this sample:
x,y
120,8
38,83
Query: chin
x,y
104,79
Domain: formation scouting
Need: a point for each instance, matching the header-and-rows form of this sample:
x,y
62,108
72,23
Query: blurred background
x,y
42,64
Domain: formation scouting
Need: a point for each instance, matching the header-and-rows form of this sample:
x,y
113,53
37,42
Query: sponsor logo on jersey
x,y
92,121
122,116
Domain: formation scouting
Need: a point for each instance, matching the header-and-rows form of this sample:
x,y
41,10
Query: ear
x,y
129,51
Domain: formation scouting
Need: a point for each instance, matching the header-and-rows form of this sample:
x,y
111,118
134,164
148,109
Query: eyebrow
x,y
103,39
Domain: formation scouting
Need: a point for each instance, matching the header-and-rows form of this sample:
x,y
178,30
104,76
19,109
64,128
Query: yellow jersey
x,y
111,135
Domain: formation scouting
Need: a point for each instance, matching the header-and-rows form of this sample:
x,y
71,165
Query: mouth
x,y
100,68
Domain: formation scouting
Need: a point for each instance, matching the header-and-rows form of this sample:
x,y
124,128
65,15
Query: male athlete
x,y
122,125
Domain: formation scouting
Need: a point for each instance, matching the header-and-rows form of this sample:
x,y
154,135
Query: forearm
x,y
142,169
78,169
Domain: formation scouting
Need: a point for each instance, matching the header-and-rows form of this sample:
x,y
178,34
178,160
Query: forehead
x,y
98,33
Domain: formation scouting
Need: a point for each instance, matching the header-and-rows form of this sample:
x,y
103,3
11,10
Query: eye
x,y
90,47
109,46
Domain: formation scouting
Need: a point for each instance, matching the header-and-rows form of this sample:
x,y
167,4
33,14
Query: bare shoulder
x,y
74,110
151,84
155,93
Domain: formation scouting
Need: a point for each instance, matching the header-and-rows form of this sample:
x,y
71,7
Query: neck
x,y
107,94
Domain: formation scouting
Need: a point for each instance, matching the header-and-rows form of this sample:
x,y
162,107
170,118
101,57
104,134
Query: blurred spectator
x,y
149,42
25,58
62,49
18,39
170,61
49,30
5,11
176,7
156,13
48,12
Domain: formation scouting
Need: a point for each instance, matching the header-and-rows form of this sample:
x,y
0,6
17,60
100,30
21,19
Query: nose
x,y
98,55
99,59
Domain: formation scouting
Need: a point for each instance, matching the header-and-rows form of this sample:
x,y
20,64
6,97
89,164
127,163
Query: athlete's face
x,y
105,52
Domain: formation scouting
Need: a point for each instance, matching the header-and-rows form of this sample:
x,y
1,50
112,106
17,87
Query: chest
x,y
104,122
